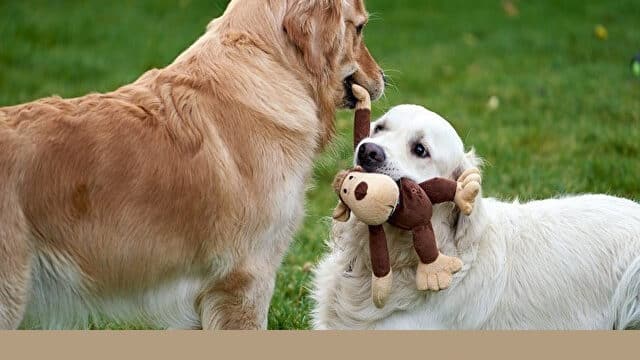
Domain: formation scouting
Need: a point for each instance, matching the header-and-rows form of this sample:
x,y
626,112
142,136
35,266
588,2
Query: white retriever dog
x,y
562,263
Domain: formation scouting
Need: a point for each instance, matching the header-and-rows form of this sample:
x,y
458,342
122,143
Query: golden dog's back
x,y
101,173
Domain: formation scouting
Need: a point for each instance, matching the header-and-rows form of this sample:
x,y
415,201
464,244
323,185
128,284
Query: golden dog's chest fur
x,y
173,199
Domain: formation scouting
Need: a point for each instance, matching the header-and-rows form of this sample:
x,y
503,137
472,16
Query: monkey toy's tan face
x,y
371,197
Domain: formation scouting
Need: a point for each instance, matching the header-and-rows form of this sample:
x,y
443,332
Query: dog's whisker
x,y
392,86
374,16
392,70
391,81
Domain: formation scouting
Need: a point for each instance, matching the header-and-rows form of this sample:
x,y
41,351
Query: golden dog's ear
x,y
315,28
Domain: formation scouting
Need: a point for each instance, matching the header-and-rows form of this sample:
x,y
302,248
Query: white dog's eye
x,y
420,151
378,128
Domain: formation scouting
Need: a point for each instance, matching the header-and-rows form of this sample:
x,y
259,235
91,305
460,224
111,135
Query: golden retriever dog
x,y
172,200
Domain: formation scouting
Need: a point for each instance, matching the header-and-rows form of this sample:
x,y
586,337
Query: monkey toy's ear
x,y
338,180
341,212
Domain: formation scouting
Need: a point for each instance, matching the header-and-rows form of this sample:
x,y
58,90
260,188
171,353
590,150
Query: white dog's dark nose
x,y
371,156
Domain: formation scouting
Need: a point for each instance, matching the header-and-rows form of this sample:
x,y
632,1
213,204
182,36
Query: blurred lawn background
x,y
551,106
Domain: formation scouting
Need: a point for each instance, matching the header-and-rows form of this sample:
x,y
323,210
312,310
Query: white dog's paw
x,y
468,188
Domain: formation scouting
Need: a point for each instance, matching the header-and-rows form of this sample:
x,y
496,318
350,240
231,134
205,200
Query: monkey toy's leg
x,y
435,270
424,241
382,276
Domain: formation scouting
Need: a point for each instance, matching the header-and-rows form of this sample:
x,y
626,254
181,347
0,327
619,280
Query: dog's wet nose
x,y
371,156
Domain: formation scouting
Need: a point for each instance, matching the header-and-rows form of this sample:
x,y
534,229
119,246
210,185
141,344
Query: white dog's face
x,y
412,142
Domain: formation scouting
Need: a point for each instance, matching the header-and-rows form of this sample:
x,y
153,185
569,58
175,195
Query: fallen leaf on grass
x,y
601,32
493,103
510,9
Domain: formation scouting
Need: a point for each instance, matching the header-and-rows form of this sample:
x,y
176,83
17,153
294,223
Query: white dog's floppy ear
x,y
313,26
470,160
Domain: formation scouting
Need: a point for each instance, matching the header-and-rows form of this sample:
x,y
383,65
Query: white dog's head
x,y
412,142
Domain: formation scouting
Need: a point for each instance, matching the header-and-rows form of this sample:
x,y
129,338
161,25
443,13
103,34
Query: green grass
x,y
568,120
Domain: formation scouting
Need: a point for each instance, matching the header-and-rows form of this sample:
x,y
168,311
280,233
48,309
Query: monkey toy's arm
x,y
463,192
362,118
440,190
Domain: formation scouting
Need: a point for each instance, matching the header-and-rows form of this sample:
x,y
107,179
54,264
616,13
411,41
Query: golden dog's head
x,y
320,42
329,38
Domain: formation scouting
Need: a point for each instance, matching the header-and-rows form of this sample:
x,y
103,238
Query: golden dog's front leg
x,y
239,301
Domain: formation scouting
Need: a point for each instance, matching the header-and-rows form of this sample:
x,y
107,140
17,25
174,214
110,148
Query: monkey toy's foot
x,y
468,188
380,289
437,275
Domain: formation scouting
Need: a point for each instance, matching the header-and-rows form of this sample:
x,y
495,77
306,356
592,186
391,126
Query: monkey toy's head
x,y
371,197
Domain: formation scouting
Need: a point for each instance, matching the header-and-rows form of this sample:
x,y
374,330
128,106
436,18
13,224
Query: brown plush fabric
x,y
424,241
377,239
415,210
440,190
379,253
413,213
361,190
361,126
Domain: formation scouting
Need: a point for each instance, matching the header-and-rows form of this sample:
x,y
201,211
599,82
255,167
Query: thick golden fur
x,y
178,193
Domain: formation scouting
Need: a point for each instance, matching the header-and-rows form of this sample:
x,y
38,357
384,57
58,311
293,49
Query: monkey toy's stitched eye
x,y
420,151
344,191
351,177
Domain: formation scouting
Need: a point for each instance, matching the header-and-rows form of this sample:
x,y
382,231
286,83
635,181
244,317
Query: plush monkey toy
x,y
376,198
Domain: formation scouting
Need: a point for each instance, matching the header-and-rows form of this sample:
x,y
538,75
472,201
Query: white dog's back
x,y
569,263
563,261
